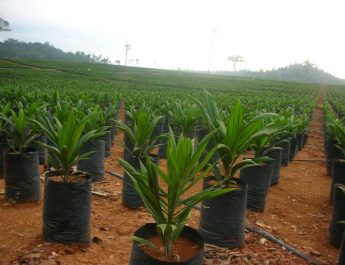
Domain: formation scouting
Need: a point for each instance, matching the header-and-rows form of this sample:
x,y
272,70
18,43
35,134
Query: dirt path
x,y
298,209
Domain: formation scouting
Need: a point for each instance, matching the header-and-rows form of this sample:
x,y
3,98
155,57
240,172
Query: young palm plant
x,y
292,129
223,219
338,132
4,109
67,199
21,173
337,225
139,130
274,130
183,117
337,129
19,129
334,140
139,143
66,138
284,140
94,164
107,118
234,136
170,206
341,257
259,177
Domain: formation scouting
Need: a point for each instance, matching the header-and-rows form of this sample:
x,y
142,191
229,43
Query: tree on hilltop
x,y
128,46
235,59
4,25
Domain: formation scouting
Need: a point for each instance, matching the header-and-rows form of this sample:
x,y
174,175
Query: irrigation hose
x,y
114,174
257,230
283,244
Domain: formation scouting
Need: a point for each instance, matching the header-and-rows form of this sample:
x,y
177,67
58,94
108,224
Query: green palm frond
x,y
171,207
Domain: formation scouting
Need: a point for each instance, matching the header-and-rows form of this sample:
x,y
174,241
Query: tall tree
x,y
235,59
308,66
128,46
4,25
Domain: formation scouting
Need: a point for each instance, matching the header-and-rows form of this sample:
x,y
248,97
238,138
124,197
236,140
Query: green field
x,y
151,85
59,108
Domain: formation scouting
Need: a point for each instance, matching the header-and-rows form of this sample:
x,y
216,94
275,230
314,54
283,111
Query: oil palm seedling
x,y
275,128
292,134
288,140
341,257
334,140
284,142
66,138
333,128
38,107
139,143
139,129
4,109
337,225
234,135
301,130
222,219
337,129
108,117
169,203
22,182
67,198
19,129
165,124
94,163
259,177
183,117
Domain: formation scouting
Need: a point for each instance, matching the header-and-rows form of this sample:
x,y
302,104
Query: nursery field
x,y
289,223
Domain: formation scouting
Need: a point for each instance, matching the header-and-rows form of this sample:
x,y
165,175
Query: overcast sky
x,y
178,33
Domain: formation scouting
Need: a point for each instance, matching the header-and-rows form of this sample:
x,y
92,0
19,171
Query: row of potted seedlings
x,y
340,188
67,192
335,154
222,220
72,137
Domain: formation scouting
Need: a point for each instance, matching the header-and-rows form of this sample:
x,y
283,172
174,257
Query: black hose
x,y
114,174
309,160
280,242
255,230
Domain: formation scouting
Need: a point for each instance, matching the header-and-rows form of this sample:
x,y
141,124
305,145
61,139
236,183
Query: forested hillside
x,y
14,49
305,72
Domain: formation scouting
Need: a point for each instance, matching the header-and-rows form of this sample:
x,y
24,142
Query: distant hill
x,y
305,72
14,49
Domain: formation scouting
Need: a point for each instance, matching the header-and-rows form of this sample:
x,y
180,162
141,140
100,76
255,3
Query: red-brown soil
x,y
298,212
183,249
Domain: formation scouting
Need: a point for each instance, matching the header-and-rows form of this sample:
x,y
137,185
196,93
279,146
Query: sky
x,y
188,34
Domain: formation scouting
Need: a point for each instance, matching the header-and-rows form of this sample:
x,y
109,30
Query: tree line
x,y
15,49
298,72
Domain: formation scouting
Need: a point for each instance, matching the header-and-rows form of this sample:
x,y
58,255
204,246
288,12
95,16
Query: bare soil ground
x,y
298,212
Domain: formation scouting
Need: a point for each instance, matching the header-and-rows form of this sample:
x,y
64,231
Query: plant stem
x,y
168,249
